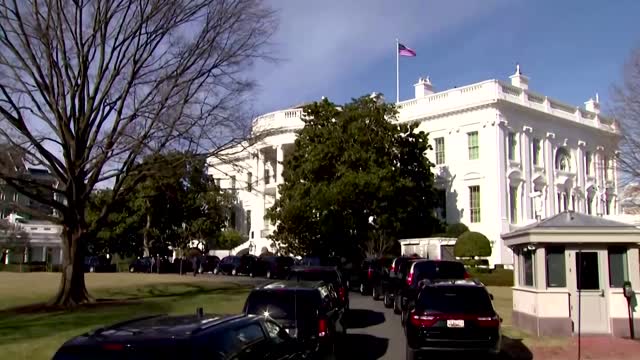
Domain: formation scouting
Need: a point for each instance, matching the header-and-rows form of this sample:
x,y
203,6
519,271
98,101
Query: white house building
x,y
504,155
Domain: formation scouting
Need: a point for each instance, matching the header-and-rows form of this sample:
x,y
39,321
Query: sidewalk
x,y
592,348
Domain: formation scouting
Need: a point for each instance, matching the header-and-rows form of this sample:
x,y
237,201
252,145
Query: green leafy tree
x,y
472,244
229,239
354,169
456,229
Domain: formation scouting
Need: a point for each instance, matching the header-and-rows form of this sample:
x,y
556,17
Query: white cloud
x,y
322,44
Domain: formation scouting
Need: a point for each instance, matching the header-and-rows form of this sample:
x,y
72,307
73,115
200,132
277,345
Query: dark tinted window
x,y
460,300
281,304
439,270
330,276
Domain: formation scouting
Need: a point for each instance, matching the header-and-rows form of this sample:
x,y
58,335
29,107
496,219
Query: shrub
x,y
472,244
498,277
455,230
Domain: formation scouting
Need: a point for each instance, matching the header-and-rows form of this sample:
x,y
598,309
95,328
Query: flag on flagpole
x,y
405,51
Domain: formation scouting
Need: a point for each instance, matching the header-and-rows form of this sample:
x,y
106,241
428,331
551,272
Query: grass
x,y
36,335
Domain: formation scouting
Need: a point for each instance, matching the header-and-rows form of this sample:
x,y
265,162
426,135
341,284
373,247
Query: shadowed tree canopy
x,y
353,171
472,244
89,87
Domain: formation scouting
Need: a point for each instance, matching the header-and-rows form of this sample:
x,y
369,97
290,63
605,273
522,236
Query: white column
x,y
580,177
525,150
258,224
549,166
616,209
279,163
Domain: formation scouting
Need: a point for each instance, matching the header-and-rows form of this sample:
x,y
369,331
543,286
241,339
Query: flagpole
x,y
397,72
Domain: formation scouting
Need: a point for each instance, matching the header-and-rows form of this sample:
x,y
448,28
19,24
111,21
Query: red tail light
x,y
410,277
370,273
322,327
393,268
492,321
342,293
467,275
115,347
422,320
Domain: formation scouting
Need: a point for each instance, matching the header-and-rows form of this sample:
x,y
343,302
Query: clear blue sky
x,y
342,49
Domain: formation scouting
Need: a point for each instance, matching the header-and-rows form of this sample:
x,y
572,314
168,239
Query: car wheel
x,y
396,305
362,289
234,272
215,271
387,300
132,269
411,354
375,293
403,315
251,274
268,274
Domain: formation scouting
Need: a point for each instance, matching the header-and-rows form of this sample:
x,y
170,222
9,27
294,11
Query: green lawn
x,y
36,335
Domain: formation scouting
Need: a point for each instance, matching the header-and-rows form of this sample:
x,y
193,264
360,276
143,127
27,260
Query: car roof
x,y
174,326
455,283
291,285
436,261
313,268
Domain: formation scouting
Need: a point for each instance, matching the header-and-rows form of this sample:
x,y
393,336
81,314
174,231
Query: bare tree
x,y
377,245
88,87
626,109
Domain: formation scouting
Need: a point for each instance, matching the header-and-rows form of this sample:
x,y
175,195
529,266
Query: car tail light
x,y
341,293
322,327
488,321
393,267
111,347
467,275
422,320
370,273
410,277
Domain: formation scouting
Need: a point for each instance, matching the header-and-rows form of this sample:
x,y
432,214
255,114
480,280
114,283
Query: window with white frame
x,y
527,267
536,151
556,271
588,163
474,203
440,151
512,143
513,204
473,144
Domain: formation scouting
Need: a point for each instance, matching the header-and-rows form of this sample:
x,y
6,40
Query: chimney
x,y
593,105
423,87
519,80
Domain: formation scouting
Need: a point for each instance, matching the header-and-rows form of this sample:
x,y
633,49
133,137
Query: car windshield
x,y
450,299
281,304
329,276
439,270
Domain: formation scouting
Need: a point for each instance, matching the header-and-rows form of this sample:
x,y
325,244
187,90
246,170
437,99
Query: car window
x,y
249,334
281,305
273,331
439,270
449,299
321,275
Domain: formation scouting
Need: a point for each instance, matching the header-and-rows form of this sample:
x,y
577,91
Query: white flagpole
x,y
397,72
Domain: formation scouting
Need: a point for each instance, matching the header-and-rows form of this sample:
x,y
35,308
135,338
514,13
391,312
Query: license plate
x,y
455,323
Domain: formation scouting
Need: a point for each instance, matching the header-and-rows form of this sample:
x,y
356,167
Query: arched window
x,y
563,160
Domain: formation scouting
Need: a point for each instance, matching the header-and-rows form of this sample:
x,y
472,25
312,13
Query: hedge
x,y
496,277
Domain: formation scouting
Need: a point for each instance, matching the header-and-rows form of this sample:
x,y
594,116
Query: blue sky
x,y
342,49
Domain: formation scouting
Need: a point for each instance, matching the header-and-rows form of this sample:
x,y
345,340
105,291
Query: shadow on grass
x,y
35,321
514,349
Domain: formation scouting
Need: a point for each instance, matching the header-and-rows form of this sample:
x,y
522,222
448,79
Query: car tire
x,y
396,305
251,274
386,300
362,292
411,354
403,319
216,271
375,293
132,269
234,272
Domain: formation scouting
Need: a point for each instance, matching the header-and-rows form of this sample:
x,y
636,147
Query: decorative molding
x,y
565,142
600,148
527,129
551,135
582,143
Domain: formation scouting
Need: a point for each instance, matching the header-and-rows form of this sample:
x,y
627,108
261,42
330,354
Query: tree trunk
x,y
72,290
145,238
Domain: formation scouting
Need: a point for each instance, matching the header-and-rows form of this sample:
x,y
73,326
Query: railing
x,y
280,120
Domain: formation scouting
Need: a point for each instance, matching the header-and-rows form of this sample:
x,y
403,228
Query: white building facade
x,y
504,156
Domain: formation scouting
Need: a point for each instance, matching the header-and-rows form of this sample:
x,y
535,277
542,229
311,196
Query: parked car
x,y
236,265
309,311
273,267
371,274
150,264
209,264
98,264
393,283
185,337
454,315
328,274
422,271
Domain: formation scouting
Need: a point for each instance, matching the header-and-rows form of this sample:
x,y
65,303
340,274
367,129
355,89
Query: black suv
x,y
273,267
185,337
236,265
308,311
392,284
371,274
422,271
456,315
328,274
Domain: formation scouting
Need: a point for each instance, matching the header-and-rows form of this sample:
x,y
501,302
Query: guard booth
x,y
440,248
569,272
